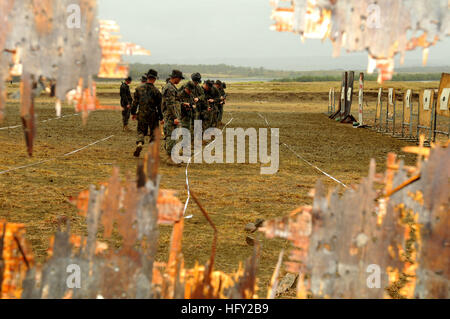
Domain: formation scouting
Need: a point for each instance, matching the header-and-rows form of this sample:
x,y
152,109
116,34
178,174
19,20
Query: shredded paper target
x,y
62,41
383,28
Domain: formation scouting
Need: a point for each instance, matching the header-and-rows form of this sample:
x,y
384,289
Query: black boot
x,y
138,150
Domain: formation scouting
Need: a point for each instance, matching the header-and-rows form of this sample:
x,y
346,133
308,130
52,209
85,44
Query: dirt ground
x,y
234,194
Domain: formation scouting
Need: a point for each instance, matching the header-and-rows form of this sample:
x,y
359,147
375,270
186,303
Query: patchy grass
x,y
233,194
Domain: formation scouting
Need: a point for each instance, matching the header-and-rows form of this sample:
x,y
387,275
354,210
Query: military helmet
x,y
224,85
144,78
129,79
209,83
196,77
218,82
177,74
152,74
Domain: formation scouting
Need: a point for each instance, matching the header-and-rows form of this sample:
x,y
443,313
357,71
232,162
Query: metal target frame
x,y
391,105
346,114
331,101
406,121
408,116
426,113
341,106
442,109
378,122
361,102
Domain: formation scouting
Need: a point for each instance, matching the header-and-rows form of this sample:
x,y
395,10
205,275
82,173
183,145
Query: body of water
x,y
236,80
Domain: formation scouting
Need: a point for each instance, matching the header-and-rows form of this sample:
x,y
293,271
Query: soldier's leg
x,y
164,128
220,113
186,121
217,116
197,114
211,117
153,125
191,123
124,116
142,129
186,124
169,128
215,112
206,120
193,118
199,117
126,113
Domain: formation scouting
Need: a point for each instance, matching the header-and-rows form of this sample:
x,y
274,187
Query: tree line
x,y
218,70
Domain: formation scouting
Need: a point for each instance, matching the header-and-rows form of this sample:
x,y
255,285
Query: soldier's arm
x,y
130,99
202,96
185,101
173,104
216,96
158,100
135,102
192,100
122,91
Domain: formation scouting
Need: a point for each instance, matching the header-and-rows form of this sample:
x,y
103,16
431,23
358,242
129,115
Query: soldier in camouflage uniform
x,y
198,94
126,101
187,106
148,98
171,109
224,86
212,96
198,97
220,86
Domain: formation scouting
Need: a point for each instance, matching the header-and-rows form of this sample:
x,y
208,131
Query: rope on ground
x,y
55,158
304,160
44,121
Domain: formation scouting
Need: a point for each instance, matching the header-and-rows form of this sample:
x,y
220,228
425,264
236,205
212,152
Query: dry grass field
x,y
233,194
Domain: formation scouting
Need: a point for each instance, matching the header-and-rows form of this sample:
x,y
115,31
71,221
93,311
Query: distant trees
x,y
137,69
224,70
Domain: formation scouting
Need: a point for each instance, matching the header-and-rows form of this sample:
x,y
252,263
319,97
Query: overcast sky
x,y
229,31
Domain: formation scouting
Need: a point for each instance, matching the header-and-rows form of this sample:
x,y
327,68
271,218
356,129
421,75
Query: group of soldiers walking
x,y
172,107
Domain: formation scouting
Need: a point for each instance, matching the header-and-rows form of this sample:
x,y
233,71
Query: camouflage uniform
x,y
187,112
197,92
148,98
125,100
212,115
171,111
222,102
200,106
